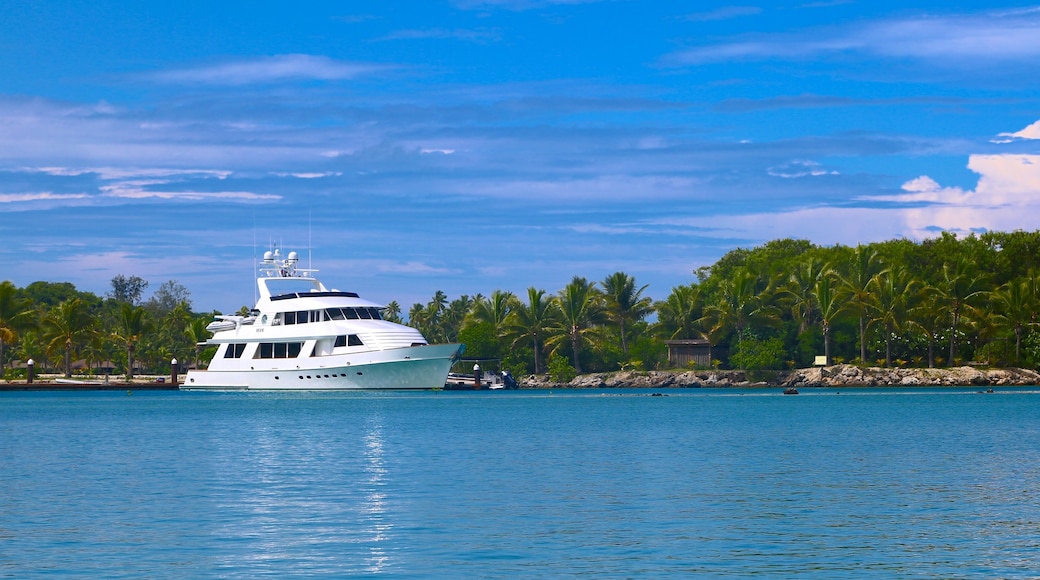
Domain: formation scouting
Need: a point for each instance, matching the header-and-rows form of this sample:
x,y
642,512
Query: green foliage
x,y
480,340
561,371
759,354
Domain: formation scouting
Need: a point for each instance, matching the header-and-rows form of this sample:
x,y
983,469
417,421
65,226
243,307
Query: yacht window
x,y
302,316
375,313
234,350
316,315
353,340
351,313
278,318
364,313
279,349
335,313
290,318
341,340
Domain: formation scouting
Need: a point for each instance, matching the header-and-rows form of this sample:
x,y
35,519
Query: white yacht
x,y
301,335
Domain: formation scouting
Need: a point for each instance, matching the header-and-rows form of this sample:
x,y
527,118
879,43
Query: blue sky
x,y
474,145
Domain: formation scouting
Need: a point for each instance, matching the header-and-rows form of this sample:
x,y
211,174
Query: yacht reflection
x,y
308,495
374,505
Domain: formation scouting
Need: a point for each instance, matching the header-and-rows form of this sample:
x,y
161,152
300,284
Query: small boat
x,y
479,378
304,336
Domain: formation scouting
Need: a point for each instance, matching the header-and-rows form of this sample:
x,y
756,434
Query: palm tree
x,y
454,316
800,292
133,325
581,310
392,312
742,303
959,290
625,304
1014,305
533,321
679,315
892,295
15,314
829,301
492,311
197,333
865,264
65,326
929,316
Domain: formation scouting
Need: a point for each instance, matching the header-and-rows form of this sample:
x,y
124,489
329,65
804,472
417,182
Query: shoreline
x,y
843,375
837,376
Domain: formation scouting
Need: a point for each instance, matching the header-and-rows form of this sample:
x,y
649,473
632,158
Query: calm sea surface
x,y
698,483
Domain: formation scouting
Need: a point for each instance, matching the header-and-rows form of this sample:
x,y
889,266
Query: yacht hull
x,y
417,367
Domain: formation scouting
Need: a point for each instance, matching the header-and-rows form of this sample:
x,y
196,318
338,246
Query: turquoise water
x,y
700,483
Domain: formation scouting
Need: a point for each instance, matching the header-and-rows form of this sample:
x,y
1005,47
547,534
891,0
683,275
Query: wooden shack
x,y
691,352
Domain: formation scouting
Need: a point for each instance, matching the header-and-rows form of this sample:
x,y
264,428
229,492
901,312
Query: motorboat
x,y
480,378
303,336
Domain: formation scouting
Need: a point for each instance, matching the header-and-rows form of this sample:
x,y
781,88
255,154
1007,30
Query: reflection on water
x,y
374,507
301,492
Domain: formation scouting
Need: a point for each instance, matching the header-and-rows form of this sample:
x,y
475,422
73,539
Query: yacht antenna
x,y
309,265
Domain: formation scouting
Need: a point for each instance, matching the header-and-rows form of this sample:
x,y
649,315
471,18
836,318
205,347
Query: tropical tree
x,y
197,333
427,319
493,311
799,292
857,274
743,302
679,315
533,321
625,304
959,290
392,312
454,316
16,314
827,297
581,310
929,316
892,294
65,326
1014,306
133,324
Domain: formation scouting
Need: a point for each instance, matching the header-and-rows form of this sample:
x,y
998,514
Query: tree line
x,y
939,302
59,327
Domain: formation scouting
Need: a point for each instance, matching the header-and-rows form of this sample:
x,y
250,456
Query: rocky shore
x,y
832,376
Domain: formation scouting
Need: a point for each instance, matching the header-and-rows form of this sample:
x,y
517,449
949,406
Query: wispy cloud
x,y
138,190
970,39
40,196
479,35
517,5
724,13
273,69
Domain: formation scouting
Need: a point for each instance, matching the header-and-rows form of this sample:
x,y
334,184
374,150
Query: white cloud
x,y
724,13
314,175
134,190
1031,132
968,40
129,172
796,169
40,196
274,69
